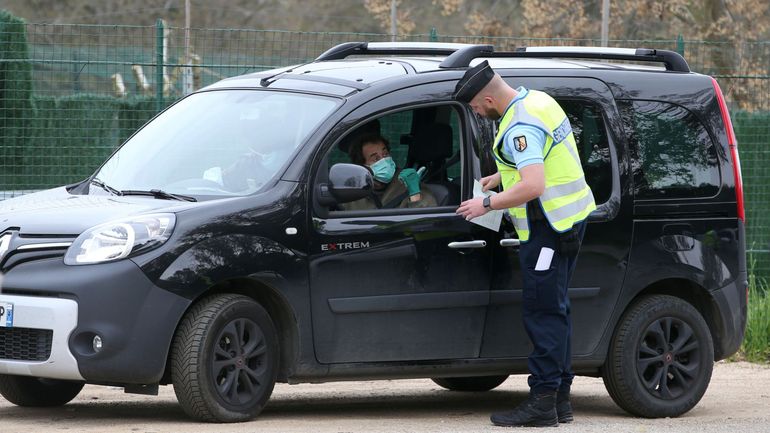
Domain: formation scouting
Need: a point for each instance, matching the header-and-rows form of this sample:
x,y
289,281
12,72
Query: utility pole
x,y
605,22
393,18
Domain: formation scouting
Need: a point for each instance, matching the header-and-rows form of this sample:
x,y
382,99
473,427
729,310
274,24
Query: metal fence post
x,y
75,73
680,45
159,65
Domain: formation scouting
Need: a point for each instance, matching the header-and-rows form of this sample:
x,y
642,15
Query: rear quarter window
x,y
672,153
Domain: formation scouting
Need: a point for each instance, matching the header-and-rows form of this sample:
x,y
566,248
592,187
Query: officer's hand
x,y
472,208
411,179
490,182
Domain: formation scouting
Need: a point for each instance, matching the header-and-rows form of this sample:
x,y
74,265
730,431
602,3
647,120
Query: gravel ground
x,y
738,400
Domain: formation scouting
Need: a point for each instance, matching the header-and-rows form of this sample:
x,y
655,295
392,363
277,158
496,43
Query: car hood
x,y
57,212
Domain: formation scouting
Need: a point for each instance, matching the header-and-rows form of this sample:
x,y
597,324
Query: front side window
x,y
218,143
672,152
425,139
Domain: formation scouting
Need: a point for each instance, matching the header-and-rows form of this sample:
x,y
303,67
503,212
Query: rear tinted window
x,y
591,139
672,153
592,144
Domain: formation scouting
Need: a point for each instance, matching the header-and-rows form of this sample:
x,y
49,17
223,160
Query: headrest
x,y
432,141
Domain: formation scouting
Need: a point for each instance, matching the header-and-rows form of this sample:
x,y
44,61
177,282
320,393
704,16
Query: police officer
x,y
545,191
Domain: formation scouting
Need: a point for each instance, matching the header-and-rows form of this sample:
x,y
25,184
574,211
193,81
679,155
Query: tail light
x,y
732,143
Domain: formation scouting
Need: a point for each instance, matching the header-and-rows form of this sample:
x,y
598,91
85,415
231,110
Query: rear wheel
x,y
478,383
38,392
224,361
661,358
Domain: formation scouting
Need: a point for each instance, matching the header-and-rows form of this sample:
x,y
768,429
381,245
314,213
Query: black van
x,y
213,251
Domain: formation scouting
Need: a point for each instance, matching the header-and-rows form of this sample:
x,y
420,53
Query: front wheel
x,y
224,361
660,359
38,392
478,383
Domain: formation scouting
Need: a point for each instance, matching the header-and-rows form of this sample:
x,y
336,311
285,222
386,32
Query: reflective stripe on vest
x,y
567,198
521,223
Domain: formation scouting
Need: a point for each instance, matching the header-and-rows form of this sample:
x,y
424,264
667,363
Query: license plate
x,y
6,315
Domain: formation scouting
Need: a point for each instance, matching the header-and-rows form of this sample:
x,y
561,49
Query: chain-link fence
x,y
72,93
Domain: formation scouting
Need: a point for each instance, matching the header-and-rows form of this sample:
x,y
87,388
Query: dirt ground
x,y
738,400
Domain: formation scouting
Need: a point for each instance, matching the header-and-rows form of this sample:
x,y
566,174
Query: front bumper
x,y
40,314
135,319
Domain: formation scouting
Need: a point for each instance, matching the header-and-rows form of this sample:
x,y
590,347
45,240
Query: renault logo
x,y
5,243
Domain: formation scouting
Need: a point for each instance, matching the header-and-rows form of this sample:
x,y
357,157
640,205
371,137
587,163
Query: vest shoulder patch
x,y
520,143
562,131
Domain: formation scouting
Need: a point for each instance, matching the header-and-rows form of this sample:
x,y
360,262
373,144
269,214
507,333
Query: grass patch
x,y
756,343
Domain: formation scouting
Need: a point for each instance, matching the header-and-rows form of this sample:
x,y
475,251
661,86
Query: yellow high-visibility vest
x,y
567,198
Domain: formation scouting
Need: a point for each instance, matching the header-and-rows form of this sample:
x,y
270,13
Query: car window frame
x,y
607,210
595,90
322,169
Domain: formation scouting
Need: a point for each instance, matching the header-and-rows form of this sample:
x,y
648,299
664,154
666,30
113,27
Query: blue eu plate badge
x,y
6,315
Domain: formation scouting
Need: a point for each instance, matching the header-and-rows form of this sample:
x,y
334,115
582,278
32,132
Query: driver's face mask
x,y
384,169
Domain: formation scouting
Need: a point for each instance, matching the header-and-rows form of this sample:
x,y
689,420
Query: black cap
x,y
473,81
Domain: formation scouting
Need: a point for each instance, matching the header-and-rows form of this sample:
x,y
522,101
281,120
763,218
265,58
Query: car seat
x,y
430,147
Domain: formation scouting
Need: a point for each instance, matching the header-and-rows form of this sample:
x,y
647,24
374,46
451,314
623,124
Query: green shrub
x,y
15,93
756,343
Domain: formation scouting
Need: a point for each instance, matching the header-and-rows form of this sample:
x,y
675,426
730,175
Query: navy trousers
x,y
546,308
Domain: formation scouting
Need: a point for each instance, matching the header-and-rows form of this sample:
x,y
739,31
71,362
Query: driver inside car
x,y
393,187
249,171
256,164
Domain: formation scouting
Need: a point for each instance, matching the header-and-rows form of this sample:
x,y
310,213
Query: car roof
x,y
341,72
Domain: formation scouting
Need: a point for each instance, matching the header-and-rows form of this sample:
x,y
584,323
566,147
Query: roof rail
x,y
460,55
342,51
462,58
672,60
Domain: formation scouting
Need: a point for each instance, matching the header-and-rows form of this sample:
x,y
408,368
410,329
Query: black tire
x,y
660,359
219,378
37,392
478,383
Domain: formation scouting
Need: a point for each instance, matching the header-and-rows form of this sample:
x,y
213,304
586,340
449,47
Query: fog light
x,y
97,344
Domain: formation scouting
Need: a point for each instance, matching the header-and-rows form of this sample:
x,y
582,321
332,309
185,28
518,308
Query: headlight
x,y
119,239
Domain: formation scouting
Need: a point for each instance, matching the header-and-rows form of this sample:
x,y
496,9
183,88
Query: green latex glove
x,y
411,179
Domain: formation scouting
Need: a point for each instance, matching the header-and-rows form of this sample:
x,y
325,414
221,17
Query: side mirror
x,y
349,182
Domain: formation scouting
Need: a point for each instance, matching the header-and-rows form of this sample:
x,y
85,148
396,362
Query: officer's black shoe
x,y
563,407
537,411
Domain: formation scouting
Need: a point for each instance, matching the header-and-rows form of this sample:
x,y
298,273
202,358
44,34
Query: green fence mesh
x,y
70,94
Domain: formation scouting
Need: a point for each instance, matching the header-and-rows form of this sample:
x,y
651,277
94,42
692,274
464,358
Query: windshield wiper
x,y
96,181
157,193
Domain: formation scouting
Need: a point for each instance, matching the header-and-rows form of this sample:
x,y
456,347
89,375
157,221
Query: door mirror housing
x,y
349,182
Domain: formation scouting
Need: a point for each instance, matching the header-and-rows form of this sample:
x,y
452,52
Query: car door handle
x,y
510,243
468,244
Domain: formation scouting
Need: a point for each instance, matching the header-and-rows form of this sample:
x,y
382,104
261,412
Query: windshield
x,y
219,143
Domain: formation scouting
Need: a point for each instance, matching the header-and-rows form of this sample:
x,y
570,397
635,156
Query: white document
x,y
491,219
544,259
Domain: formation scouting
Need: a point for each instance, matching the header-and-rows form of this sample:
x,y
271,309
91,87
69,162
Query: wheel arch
x,y
692,293
273,302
